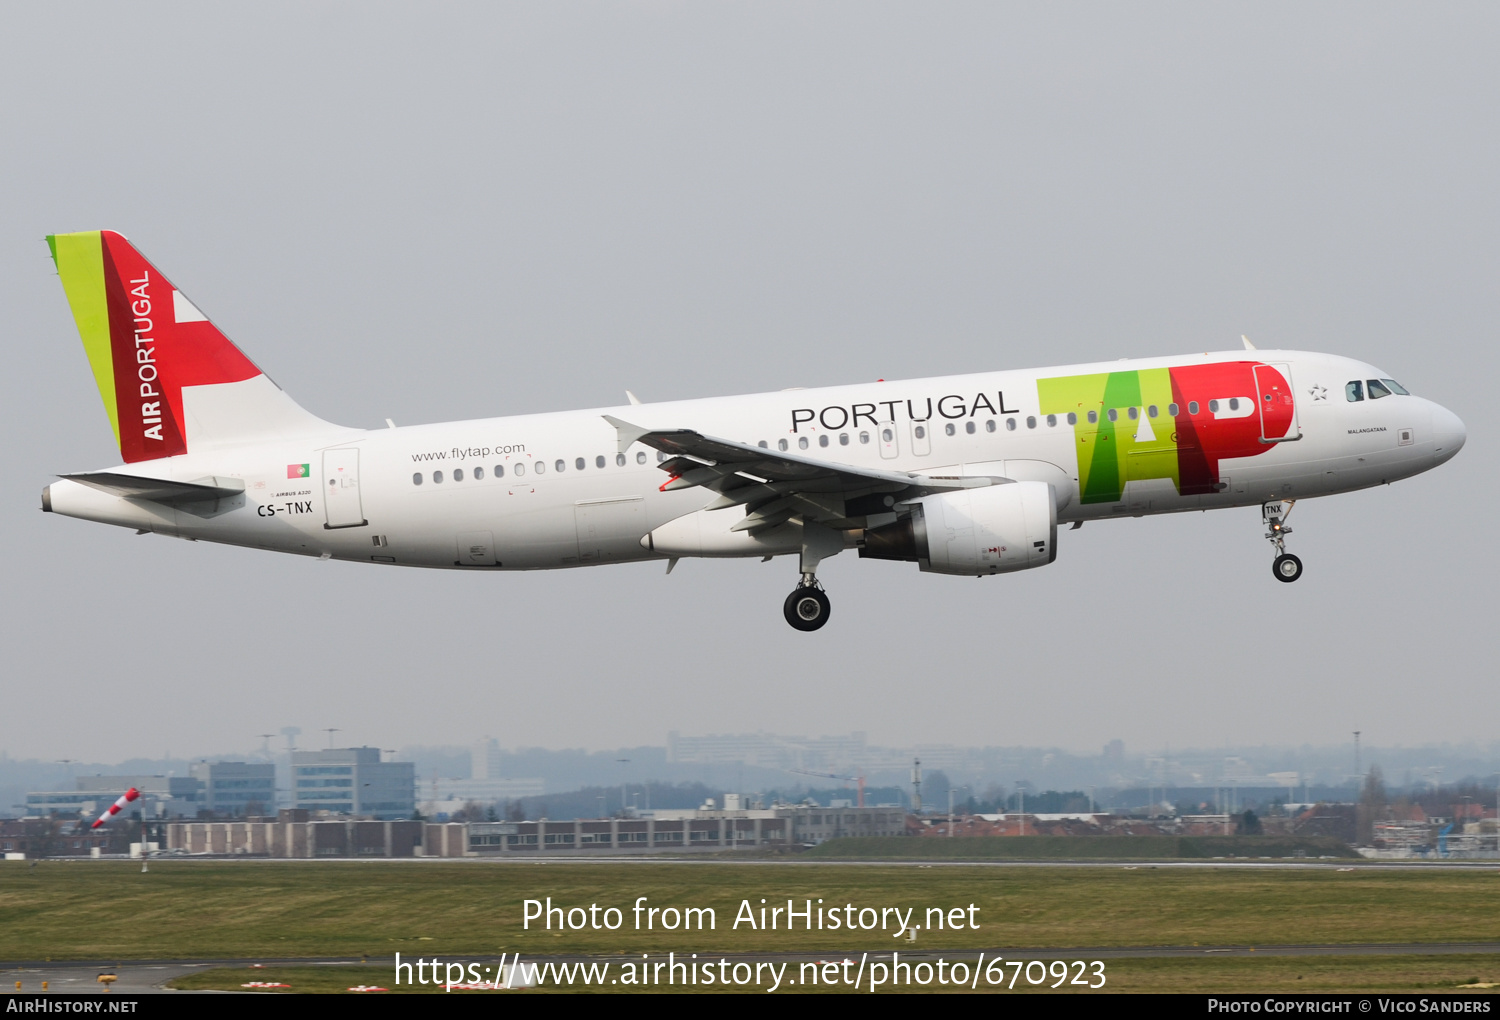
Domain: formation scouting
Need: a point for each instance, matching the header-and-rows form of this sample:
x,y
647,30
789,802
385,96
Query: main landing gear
x,y
1285,567
806,608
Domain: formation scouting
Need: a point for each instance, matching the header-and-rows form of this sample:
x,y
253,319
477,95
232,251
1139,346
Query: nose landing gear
x,y
807,607
1285,567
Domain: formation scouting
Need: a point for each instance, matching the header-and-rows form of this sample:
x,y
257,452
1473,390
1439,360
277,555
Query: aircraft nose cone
x,y
1448,433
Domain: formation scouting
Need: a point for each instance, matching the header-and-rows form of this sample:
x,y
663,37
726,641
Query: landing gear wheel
x,y
806,608
1287,568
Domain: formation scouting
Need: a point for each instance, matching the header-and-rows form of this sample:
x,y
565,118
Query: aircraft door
x,y
341,500
1273,392
885,435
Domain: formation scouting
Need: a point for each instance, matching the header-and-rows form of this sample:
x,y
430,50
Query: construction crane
x,y
860,779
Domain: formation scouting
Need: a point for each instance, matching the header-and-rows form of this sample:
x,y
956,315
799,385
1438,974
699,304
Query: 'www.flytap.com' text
x,y
675,970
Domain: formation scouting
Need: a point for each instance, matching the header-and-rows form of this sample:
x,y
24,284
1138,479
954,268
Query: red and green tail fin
x,y
158,361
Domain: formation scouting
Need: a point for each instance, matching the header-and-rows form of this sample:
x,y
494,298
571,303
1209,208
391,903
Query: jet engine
x,y
973,532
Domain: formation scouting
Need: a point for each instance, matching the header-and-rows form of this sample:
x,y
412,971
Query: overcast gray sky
x,y
435,212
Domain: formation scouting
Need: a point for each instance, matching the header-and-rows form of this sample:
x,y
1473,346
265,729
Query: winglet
x,y
632,397
628,433
1248,345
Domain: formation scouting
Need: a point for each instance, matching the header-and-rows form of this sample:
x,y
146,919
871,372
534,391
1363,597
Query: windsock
x,y
115,808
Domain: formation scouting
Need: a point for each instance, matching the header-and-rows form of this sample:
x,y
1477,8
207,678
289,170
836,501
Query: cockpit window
x,y
1355,390
1396,387
1377,389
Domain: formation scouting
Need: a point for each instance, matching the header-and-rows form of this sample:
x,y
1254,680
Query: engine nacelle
x,y
973,532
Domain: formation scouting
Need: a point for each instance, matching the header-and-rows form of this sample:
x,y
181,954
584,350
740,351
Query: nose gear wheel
x,y
1285,567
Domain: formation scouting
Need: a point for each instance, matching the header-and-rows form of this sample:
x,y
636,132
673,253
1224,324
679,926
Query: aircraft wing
x,y
775,487
159,490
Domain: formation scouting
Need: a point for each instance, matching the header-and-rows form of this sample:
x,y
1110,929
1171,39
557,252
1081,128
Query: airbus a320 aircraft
x,y
967,475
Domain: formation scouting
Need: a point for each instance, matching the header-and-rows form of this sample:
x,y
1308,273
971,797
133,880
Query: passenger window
x,y
1213,406
540,467
781,445
949,429
1072,418
437,478
1377,390
559,466
416,479
1172,410
1354,391
1133,413
843,439
1010,424
1093,417
969,427
890,436
499,470
619,460
478,474
578,464
1030,422
801,442
1052,421
864,437
1151,411
520,468
920,432
763,445
640,456
1395,387
823,439
458,474
660,457
989,426
599,461
1192,407
1234,403
1113,414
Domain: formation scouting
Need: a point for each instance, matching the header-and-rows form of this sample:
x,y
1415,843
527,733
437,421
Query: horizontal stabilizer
x,y
160,490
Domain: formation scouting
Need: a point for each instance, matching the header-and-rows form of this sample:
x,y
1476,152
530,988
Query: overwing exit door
x,y
341,489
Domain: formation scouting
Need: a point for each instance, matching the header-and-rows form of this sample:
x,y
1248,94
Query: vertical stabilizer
x,y
169,378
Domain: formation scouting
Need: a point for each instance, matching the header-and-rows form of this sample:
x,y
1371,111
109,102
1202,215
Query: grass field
x,y
250,909
1409,974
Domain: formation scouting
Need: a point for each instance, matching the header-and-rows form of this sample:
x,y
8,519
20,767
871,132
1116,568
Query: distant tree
x,y
490,815
472,811
1249,824
515,813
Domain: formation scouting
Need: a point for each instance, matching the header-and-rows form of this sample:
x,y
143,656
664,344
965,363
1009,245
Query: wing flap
x,y
775,486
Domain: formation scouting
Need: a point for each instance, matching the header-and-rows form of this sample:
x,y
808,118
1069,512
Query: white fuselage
x,y
553,490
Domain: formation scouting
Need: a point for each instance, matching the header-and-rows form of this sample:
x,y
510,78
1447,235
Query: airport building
x,y
161,796
354,781
292,833
235,787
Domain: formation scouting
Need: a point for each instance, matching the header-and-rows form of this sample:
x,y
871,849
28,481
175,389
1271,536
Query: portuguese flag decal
x,y
299,470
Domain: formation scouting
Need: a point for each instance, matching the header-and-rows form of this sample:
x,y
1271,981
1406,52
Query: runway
x,y
149,976
1126,864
